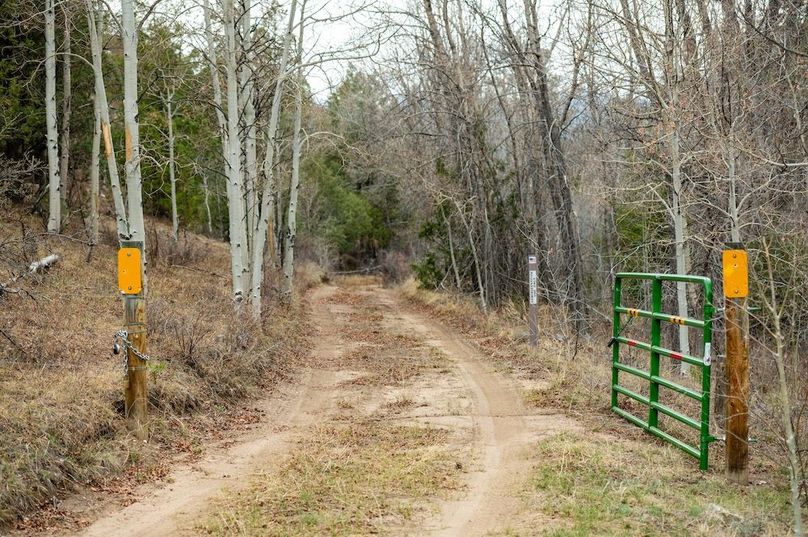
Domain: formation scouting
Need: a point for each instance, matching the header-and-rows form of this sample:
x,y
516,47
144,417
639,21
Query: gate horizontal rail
x,y
655,350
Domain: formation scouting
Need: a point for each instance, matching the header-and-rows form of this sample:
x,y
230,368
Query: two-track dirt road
x,y
375,358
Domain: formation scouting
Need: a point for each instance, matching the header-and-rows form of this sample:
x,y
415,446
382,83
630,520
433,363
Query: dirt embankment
x,y
61,391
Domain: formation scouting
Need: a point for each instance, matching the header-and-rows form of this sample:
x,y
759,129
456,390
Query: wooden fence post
x,y
736,289
130,282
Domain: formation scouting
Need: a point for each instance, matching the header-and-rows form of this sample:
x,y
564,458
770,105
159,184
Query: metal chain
x,y
120,344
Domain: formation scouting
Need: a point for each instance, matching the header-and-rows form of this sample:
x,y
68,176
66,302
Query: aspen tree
x,y
294,187
95,24
267,197
67,97
134,192
54,181
235,198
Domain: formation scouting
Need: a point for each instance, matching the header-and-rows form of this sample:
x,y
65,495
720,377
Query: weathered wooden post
x,y
736,289
130,282
533,299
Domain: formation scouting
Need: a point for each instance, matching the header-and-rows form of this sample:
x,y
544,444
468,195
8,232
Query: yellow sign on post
x,y
736,274
130,275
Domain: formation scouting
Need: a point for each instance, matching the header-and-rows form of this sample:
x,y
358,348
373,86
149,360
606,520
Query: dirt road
x,y
375,360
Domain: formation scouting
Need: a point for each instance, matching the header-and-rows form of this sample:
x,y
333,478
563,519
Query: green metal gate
x,y
702,425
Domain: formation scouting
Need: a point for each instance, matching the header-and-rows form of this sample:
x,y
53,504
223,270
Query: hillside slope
x,y
61,389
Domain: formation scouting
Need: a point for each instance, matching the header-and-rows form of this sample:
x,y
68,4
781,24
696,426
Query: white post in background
x,y
533,299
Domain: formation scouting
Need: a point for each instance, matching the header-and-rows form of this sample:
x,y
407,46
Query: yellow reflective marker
x,y
736,273
129,272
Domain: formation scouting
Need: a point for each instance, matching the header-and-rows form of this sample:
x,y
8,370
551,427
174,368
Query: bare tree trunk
x,y
250,166
206,192
67,95
95,164
735,228
679,221
456,272
679,224
260,234
214,75
785,398
235,199
217,101
272,202
532,56
134,193
175,223
480,282
535,195
294,187
54,183
96,31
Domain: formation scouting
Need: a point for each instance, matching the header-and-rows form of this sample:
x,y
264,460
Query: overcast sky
x,y
352,21
341,33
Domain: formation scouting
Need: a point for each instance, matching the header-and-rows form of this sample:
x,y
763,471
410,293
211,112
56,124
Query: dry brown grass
x,y
357,477
361,472
61,388
388,356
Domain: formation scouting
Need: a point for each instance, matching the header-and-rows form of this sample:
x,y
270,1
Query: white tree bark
x,y
54,183
270,190
67,96
294,187
235,199
94,172
776,311
175,223
679,224
735,228
673,75
206,192
96,31
260,234
275,230
217,101
250,166
214,75
134,193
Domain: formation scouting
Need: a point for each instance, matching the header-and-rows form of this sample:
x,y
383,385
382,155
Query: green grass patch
x,y
345,478
588,486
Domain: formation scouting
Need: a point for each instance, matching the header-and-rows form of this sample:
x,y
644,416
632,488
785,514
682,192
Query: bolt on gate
x,y
651,425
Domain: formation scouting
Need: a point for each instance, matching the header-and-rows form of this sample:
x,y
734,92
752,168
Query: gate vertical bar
x,y
656,333
618,290
533,299
704,437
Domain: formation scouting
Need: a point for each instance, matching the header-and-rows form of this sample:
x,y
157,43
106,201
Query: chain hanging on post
x,y
121,344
